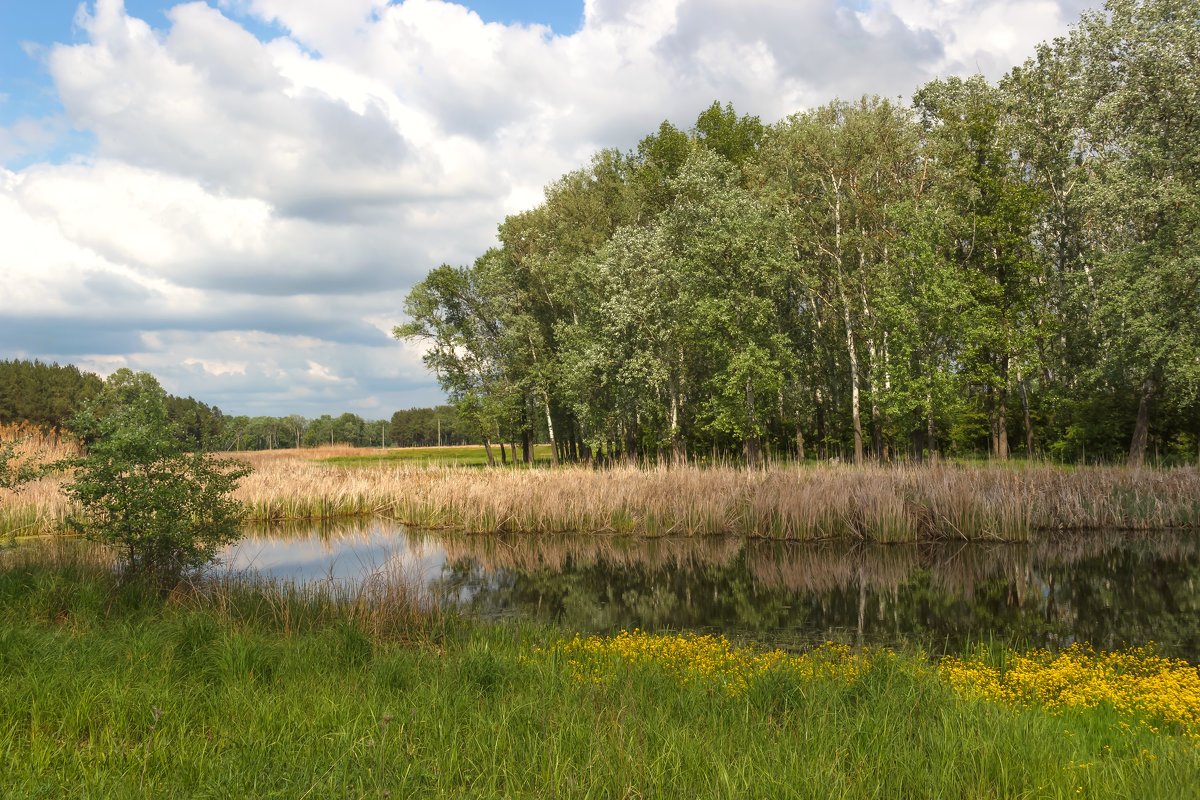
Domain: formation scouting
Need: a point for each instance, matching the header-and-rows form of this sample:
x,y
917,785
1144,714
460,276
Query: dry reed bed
x,y
879,503
890,504
37,444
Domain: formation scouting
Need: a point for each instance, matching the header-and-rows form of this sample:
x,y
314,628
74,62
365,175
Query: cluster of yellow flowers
x,y
1137,683
709,661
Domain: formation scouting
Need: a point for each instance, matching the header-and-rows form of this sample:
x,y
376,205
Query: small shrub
x,y
164,510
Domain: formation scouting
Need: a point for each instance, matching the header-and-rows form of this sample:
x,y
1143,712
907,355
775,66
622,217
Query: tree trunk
x,y
630,445
550,428
1028,419
799,439
678,452
572,439
487,448
752,447
1002,412
821,452
856,417
930,430
876,432
1002,423
527,446
503,454
855,414
1141,429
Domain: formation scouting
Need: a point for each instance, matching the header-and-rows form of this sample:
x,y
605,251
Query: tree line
x,y
997,268
49,396
414,427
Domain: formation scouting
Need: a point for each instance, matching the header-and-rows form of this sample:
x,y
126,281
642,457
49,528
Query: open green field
x,y
228,691
462,456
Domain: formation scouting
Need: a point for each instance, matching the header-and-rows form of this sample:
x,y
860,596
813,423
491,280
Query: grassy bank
x,y
888,504
114,691
461,456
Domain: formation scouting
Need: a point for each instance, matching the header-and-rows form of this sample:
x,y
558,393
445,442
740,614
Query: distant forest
x,y
48,395
997,269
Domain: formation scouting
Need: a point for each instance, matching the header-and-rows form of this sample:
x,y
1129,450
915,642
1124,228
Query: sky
x,y
236,195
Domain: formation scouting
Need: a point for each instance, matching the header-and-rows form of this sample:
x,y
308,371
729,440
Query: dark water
x,y
1112,590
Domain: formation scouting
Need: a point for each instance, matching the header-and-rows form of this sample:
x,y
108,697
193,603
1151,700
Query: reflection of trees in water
x,y
1107,588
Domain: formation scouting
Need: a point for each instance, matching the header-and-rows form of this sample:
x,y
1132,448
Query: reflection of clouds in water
x,y
353,550
346,554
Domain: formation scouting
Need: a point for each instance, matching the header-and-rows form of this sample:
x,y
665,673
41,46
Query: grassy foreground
x,y
228,691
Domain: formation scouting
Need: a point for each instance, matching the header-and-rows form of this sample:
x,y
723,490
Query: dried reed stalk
x,y
902,503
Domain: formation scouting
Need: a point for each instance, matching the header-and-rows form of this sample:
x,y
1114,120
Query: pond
x,y
1110,589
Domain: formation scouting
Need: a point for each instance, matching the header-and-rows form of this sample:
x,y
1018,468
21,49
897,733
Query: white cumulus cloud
x,y
253,208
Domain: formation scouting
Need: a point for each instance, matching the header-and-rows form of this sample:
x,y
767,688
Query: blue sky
x,y
238,196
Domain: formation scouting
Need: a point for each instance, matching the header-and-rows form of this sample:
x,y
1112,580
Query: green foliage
x,y
1000,269
426,427
165,510
732,137
45,395
13,474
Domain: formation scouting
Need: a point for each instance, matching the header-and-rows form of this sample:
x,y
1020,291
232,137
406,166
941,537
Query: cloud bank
x,y
253,208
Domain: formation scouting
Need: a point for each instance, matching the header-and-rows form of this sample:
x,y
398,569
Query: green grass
x,y
467,456
117,691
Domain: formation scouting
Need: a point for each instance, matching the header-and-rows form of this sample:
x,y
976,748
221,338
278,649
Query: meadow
x,y
230,689
460,456
428,488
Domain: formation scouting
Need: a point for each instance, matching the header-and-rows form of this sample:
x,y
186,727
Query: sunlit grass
x,y
462,456
114,690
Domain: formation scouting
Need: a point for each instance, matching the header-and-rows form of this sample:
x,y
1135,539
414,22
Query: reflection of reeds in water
x,y
336,529
955,569
821,568
559,553
1159,545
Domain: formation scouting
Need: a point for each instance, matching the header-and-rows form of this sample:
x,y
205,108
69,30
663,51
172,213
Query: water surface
x,y
1110,589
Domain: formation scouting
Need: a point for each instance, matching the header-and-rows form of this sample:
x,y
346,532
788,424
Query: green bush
x,y
165,510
